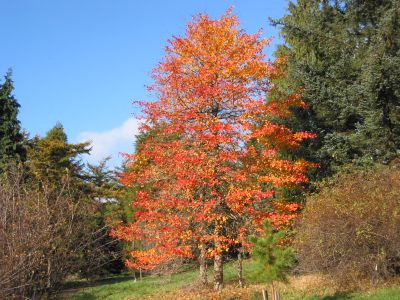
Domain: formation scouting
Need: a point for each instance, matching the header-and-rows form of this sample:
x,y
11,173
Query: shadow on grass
x,y
338,296
71,287
85,296
96,282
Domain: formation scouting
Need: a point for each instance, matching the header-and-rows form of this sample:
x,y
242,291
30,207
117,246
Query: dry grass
x,y
299,287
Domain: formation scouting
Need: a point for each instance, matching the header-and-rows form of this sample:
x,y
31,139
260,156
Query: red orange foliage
x,y
207,172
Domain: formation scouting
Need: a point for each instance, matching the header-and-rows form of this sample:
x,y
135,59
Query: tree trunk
x,y
240,268
274,292
203,265
218,272
264,294
134,271
48,285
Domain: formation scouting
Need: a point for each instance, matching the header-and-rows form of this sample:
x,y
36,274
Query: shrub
x,y
43,233
350,229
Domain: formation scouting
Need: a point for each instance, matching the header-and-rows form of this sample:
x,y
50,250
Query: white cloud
x,y
111,142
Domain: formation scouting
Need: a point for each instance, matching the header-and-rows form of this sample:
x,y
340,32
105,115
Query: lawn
x,y
182,286
127,288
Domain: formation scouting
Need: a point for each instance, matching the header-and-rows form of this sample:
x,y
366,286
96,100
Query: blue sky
x,y
82,62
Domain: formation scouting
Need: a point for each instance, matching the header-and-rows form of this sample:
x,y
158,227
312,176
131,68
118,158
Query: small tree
x,y
274,258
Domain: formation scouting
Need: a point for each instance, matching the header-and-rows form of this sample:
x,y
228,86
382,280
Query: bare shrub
x,y
43,232
351,228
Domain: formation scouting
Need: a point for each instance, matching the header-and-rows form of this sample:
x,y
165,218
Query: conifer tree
x,y
345,55
52,157
274,258
11,137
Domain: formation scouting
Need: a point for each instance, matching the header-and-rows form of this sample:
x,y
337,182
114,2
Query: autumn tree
x,y
211,162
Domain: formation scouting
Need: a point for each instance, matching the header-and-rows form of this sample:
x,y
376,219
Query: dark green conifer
x,y
345,55
12,148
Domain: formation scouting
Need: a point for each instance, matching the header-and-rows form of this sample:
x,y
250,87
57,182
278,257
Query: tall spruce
x,y
11,138
345,55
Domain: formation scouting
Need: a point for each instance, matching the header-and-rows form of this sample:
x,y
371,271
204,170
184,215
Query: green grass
x,y
129,289
381,294
124,288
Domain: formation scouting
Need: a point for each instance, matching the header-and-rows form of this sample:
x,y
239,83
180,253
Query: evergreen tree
x,y
102,179
52,157
273,258
345,55
106,193
11,137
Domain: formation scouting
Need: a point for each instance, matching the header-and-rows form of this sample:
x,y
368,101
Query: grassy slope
x,y
176,287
